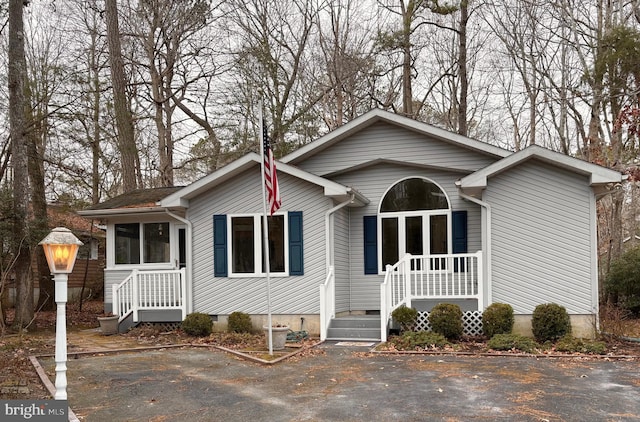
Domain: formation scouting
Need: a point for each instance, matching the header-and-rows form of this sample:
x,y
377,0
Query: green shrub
x,y
571,344
405,317
412,340
446,319
622,284
550,322
239,322
512,342
197,324
497,319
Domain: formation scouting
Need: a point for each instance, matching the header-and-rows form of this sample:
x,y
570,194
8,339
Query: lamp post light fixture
x,y
61,248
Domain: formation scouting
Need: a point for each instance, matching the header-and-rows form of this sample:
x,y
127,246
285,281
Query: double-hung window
x,y
149,241
238,245
246,238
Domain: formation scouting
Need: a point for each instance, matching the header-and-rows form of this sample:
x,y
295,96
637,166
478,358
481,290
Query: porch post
x,y
183,292
406,269
482,301
135,294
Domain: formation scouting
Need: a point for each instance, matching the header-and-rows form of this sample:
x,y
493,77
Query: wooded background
x,y
104,97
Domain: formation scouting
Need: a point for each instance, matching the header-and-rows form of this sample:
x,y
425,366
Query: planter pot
x,y
279,336
108,325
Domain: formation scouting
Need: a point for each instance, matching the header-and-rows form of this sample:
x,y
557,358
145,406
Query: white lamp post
x,y
60,248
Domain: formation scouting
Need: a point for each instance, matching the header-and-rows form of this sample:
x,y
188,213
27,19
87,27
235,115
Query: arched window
x,y
415,218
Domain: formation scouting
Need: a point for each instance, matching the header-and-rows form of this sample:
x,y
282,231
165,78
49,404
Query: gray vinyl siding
x,y
542,238
373,182
387,141
242,195
112,278
342,259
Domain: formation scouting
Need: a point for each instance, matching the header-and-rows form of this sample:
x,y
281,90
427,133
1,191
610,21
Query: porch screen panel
x,y
127,243
242,240
390,247
156,242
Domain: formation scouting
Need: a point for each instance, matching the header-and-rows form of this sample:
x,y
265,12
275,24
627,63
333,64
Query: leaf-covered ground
x,y
18,379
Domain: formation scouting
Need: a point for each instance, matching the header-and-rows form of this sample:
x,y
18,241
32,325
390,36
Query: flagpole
x,y
265,231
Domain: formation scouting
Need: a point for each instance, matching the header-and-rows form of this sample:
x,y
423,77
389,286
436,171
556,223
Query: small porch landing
x,y
150,296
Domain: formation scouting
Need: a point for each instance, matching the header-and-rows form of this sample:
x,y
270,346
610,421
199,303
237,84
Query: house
x,y
381,212
88,270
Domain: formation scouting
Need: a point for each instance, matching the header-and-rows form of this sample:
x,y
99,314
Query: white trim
x,y
189,257
593,217
180,199
401,217
121,212
597,175
486,245
111,247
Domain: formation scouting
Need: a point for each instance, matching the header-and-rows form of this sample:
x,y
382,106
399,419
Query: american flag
x,y
270,176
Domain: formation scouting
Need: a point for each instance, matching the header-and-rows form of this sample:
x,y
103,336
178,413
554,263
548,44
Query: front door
x,y
181,246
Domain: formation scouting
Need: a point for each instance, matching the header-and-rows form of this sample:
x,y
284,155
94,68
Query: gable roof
x,y
180,199
598,175
379,115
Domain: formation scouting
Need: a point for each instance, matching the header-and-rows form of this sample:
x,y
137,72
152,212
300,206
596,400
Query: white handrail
x,y
149,290
446,276
327,302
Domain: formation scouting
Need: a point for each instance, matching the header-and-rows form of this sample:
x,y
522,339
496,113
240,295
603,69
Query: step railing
x,y
150,290
327,302
442,277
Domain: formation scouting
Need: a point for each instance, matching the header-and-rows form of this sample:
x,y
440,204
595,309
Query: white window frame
x,y
426,226
258,246
111,250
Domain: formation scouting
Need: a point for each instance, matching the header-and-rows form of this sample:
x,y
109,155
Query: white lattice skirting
x,y
471,322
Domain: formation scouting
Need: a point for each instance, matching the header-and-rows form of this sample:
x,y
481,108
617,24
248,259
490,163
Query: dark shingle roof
x,y
136,199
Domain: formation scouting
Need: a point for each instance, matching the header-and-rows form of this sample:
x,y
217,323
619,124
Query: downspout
x,y
486,240
188,251
327,228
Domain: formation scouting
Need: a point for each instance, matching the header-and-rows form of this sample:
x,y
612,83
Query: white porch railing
x,y
327,303
454,276
150,290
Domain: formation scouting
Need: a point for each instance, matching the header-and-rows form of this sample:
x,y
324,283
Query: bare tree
x,y
272,50
346,61
412,14
167,32
126,141
21,250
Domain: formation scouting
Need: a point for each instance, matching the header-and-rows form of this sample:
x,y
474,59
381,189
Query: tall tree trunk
x,y
124,120
40,224
407,91
462,68
95,120
22,251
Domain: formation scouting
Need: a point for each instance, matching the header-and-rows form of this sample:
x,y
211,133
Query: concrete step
x,y
356,321
353,334
355,327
